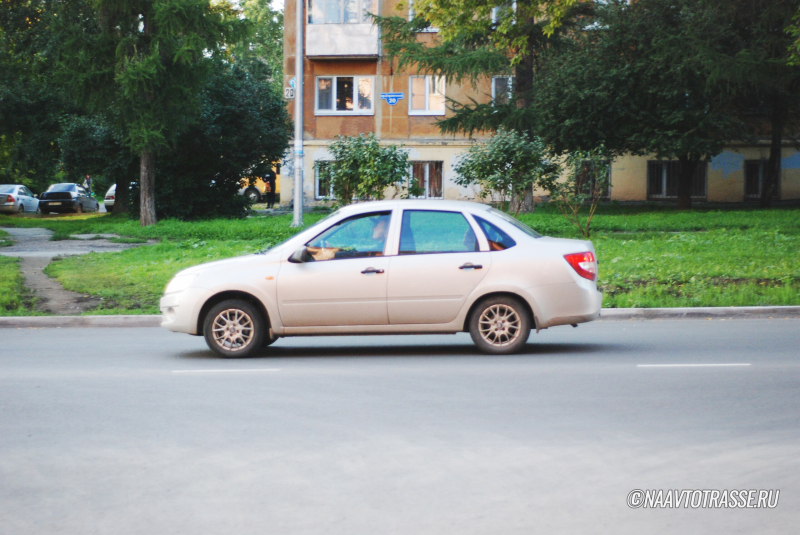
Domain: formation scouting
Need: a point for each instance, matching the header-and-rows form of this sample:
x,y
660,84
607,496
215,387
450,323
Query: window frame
x,y
483,244
317,196
427,188
334,111
664,196
509,90
427,110
762,175
412,14
309,13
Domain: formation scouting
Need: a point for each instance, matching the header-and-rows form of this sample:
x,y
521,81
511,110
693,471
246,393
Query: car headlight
x,y
179,283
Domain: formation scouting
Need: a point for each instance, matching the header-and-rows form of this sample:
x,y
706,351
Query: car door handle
x,y
371,270
470,265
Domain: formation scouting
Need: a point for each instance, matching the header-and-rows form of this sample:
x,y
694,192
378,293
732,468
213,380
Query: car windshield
x,y
7,189
520,225
62,187
318,223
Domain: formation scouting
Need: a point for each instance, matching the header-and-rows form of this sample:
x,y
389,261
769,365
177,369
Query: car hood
x,y
229,263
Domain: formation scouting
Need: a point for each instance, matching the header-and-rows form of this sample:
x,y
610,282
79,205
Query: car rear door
x,y
439,264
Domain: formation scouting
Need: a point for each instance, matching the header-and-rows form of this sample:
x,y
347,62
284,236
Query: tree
x,y
635,82
31,105
261,50
362,168
242,127
759,66
90,146
479,39
506,167
142,65
585,186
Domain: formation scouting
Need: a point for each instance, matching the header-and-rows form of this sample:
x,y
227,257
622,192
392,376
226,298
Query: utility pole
x,y
297,221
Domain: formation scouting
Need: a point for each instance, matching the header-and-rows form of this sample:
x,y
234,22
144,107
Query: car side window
x,y
356,237
430,231
81,191
498,240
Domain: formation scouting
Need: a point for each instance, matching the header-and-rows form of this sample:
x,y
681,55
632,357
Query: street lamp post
x,y
297,220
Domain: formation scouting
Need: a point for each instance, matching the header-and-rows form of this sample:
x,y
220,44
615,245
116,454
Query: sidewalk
x,y
607,314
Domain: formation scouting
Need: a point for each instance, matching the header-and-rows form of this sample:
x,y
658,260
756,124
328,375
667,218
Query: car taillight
x,y
109,197
9,199
584,264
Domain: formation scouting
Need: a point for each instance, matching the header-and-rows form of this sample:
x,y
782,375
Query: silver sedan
x,y
17,199
391,267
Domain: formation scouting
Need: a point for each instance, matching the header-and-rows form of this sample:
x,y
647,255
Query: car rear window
x,y
520,225
498,240
7,189
62,187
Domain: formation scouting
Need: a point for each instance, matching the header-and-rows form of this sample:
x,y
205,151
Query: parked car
x,y
68,197
109,198
17,199
257,192
391,267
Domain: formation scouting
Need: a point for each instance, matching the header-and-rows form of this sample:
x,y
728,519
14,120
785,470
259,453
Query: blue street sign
x,y
292,83
392,98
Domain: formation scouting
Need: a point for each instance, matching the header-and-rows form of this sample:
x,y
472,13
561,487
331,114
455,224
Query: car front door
x,y
438,266
344,282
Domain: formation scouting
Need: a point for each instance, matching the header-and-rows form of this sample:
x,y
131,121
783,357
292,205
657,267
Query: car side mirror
x,y
35,195
300,256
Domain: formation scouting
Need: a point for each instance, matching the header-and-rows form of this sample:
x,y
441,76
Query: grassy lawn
x,y
14,299
5,240
649,256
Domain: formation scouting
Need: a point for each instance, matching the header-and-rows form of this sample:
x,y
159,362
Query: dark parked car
x,y
67,198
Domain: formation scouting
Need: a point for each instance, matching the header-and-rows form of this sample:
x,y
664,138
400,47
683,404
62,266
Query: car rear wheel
x,y
234,329
500,325
21,208
252,195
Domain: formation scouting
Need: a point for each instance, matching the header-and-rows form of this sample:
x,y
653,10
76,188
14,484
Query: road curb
x,y
609,314
700,313
20,322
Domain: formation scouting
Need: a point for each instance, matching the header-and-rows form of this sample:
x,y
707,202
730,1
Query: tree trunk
x,y
147,201
777,122
688,167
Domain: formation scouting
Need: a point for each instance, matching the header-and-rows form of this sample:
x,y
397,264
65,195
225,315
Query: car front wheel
x,y
234,329
500,325
253,195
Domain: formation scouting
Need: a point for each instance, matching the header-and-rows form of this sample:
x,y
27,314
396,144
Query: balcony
x,y
339,29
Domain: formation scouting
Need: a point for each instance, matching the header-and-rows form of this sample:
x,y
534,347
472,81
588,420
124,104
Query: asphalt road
x,y
118,431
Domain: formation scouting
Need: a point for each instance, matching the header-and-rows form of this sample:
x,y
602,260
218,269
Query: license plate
x,y
55,204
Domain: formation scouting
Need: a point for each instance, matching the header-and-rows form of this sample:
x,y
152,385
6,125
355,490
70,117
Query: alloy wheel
x,y
233,329
499,325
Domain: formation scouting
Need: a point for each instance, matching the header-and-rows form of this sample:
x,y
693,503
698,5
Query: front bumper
x,y
180,310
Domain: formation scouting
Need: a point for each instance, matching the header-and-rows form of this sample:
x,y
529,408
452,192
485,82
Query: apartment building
x,y
350,88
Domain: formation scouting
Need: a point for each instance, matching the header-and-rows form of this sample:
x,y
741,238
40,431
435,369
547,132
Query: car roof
x,y
415,204
12,185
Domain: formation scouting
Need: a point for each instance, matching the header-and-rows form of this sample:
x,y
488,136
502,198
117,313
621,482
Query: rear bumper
x,y
58,206
9,208
566,304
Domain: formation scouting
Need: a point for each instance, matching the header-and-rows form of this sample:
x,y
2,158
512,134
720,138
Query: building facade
x,y
351,88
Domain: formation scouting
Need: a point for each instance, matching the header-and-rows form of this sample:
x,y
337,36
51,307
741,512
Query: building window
x,y
501,89
426,180
339,11
662,180
427,95
337,95
496,11
755,172
323,188
412,14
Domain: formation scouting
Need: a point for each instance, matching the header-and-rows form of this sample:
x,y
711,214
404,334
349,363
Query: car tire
x,y
500,325
21,209
253,195
79,208
234,329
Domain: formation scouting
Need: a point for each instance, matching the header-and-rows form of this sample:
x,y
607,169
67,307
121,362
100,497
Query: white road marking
x,y
229,370
689,365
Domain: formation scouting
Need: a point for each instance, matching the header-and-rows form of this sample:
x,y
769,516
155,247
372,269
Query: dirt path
x,y
35,250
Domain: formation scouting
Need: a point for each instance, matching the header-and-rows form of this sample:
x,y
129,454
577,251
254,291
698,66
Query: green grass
x,y
14,298
649,256
5,241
